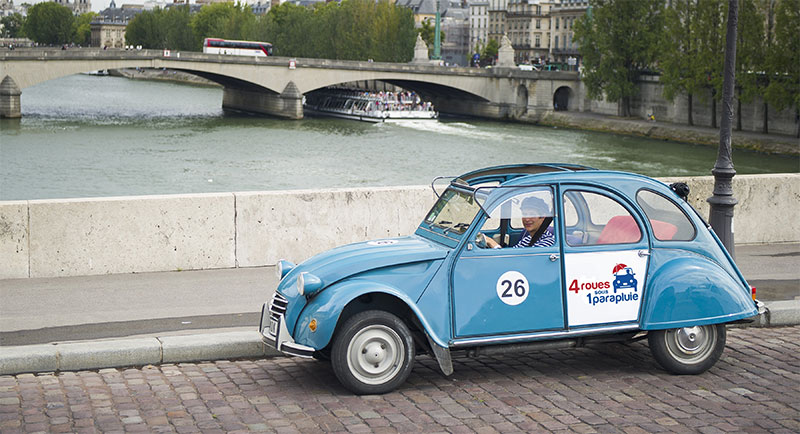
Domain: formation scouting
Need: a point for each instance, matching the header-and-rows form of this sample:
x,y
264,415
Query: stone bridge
x,y
270,86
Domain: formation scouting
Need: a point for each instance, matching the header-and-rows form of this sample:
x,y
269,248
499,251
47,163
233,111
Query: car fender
x,y
327,307
687,291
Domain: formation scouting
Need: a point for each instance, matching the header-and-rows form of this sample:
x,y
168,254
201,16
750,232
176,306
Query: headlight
x,y
308,284
282,268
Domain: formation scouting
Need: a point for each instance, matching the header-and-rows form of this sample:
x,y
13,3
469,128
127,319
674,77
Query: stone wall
x,y
50,238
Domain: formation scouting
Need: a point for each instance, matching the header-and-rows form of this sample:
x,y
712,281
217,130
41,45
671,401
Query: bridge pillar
x,y
287,104
9,98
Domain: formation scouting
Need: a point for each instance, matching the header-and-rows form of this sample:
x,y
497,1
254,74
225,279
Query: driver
x,y
536,219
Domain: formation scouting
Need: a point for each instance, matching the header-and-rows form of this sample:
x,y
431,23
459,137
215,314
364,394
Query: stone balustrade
x,y
51,238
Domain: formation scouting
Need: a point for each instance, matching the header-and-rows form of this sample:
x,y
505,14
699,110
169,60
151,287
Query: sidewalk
x,y
91,322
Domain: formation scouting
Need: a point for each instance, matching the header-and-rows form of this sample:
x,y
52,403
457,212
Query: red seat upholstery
x,y
623,229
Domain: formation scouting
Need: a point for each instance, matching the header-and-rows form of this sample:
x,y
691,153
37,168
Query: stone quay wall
x,y
72,237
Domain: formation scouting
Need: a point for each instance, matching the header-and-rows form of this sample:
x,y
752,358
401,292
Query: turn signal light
x,y
753,292
312,325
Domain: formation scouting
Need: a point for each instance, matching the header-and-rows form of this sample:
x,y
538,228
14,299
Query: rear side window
x,y
594,219
669,222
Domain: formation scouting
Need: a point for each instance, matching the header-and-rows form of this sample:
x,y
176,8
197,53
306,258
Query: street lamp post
x,y
722,202
437,38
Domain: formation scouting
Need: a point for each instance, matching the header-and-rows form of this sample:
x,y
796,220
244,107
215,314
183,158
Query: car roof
x,y
522,175
506,173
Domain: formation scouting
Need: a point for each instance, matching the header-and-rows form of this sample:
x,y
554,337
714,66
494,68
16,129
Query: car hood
x,y
345,261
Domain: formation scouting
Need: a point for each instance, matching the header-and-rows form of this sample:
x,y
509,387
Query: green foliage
x,y
427,31
82,30
12,26
49,23
223,20
489,52
162,28
783,57
619,39
350,30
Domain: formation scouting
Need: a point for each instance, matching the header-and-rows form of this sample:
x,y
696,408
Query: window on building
x,y
556,44
538,24
556,23
538,41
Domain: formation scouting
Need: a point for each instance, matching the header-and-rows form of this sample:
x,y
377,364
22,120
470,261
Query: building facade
x,y
478,24
563,49
108,27
78,6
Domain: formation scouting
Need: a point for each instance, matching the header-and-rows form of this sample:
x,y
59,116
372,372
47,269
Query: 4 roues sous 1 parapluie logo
x,y
599,290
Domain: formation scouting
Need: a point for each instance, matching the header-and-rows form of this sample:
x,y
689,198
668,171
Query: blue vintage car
x,y
513,258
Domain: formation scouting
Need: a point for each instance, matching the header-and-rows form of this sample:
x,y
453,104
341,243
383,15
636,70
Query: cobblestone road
x,y
615,388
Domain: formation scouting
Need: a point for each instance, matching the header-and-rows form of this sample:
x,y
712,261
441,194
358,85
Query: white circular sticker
x,y
512,288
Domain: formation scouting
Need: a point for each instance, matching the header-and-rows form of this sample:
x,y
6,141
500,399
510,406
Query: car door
x,y
606,254
508,290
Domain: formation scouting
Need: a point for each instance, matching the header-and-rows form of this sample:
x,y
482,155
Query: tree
x,y
12,25
619,40
489,52
749,55
49,23
162,28
709,33
146,29
783,59
677,58
82,29
427,30
223,20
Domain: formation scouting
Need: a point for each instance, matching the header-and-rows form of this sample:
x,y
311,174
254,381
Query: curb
x,y
132,352
214,346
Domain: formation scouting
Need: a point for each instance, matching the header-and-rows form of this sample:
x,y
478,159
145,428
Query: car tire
x,y
687,350
372,353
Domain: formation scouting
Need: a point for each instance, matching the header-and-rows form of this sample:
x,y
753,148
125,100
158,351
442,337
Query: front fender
x,y
688,291
327,307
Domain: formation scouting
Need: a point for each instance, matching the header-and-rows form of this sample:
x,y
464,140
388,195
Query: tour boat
x,y
368,106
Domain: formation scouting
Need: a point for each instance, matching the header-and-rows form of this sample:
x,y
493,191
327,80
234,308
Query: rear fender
x,y
327,307
694,290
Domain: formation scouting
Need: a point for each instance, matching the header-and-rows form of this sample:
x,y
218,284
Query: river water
x,y
86,136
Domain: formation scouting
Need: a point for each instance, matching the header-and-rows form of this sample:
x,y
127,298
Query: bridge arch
x,y
562,97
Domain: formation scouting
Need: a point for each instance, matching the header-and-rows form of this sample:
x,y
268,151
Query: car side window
x,y
523,213
598,219
668,221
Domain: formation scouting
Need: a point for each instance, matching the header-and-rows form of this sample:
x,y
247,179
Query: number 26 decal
x,y
512,288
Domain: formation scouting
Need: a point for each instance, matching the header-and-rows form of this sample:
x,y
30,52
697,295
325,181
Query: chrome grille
x,y
277,307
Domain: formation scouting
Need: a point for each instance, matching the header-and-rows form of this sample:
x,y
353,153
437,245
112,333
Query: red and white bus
x,y
236,48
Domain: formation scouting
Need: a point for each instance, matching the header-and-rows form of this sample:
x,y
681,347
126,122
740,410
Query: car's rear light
x,y
753,292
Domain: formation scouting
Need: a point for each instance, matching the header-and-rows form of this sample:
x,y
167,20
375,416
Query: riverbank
x,y
170,75
767,143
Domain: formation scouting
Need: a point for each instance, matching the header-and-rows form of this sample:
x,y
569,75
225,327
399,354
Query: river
x,y
86,136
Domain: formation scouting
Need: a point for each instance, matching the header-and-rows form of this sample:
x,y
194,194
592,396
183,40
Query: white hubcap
x,y
375,354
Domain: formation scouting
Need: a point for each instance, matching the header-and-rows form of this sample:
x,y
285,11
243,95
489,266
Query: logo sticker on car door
x,y
604,287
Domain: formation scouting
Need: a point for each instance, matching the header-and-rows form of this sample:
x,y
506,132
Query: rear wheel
x,y
373,352
688,350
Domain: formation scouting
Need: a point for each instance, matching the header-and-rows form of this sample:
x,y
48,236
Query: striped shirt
x,y
547,239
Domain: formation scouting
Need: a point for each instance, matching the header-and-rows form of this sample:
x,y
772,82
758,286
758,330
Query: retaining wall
x,y
50,238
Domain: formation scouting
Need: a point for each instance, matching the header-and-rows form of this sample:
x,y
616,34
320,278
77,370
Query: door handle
x,y
643,253
554,257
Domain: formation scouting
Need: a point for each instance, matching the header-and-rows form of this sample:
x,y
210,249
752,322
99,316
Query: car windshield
x,y
453,212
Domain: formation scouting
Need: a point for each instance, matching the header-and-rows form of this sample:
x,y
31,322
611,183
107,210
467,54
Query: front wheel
x,y
373,352
687,350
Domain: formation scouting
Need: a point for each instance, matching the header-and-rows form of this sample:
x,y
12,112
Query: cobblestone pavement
x,y
755,387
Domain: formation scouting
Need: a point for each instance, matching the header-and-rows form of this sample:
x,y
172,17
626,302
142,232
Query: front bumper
x,y
274,331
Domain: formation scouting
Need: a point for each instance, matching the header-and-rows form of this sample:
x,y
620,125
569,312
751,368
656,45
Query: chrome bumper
x,y
274,332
